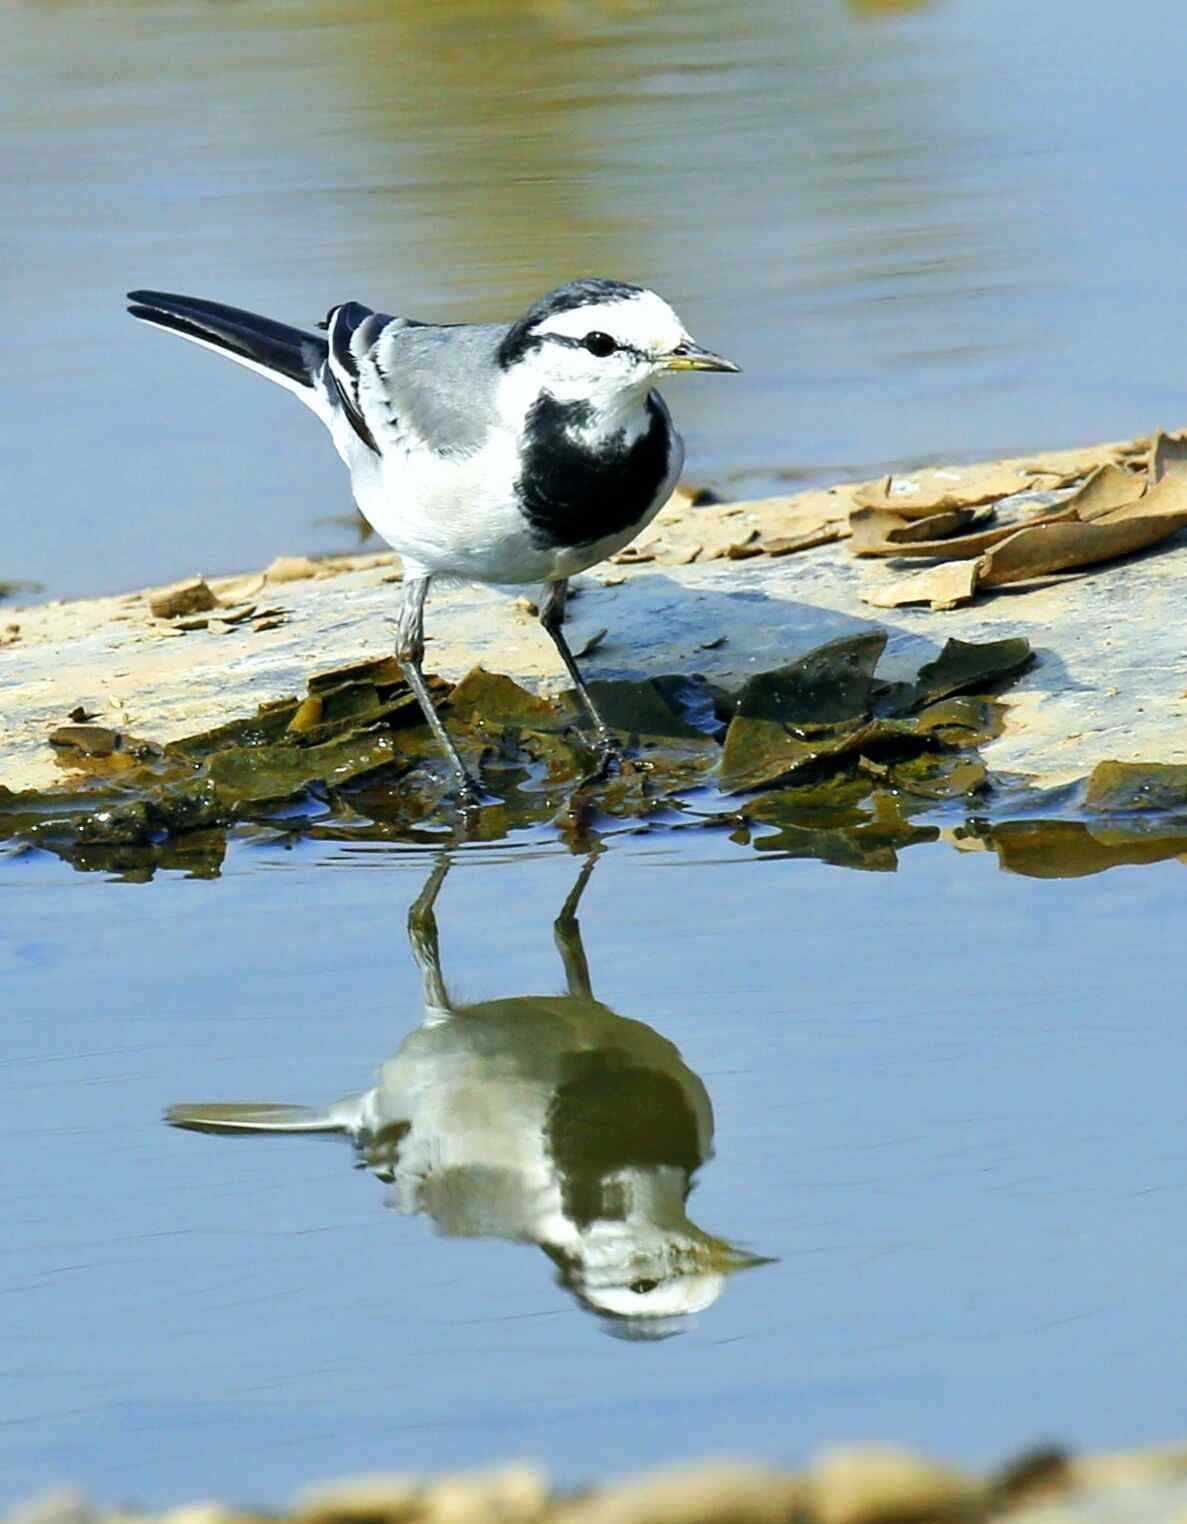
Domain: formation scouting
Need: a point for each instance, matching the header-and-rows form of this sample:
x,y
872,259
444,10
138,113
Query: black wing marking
x,y
352,330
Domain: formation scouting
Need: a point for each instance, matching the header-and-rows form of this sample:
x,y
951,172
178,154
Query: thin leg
x,y
422,934
552,616
566,930
410,650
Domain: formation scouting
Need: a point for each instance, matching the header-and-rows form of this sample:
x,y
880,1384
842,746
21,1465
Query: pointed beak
x,y
690,356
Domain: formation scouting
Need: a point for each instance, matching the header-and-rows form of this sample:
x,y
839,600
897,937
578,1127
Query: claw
x,y
609,756
471,795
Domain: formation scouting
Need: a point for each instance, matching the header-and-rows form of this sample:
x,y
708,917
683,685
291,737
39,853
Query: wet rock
x,y
193,596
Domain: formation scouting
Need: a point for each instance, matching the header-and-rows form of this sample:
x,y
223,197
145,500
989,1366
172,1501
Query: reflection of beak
x,y
690,356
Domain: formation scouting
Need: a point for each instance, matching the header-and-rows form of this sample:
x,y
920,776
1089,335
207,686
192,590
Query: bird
x,y
538,1119
510,454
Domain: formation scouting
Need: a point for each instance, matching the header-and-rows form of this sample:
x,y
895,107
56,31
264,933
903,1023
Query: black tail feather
x,y
291,352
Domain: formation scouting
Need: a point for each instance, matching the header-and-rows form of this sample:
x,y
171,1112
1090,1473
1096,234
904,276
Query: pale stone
x,y
705,1493
882,1484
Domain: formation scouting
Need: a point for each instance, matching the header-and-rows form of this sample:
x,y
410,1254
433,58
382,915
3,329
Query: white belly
x,y
460,518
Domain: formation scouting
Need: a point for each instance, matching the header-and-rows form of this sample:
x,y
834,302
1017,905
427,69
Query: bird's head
x,y
598,340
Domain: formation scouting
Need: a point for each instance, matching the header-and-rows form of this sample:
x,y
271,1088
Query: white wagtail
x,y
503,453
541,1119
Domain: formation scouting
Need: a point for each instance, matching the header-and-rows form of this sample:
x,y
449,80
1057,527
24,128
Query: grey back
x,y
432,386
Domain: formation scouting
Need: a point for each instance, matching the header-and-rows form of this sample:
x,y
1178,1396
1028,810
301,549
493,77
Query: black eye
x,y
641,1288
600,344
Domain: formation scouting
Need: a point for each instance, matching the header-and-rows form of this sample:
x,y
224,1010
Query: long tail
x,y
251,1116
289,356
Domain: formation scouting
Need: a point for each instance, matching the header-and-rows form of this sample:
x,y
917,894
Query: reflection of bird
x,y
543,1119
502,453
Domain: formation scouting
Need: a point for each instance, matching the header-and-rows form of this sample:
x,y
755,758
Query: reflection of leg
x,y
567,931
422,934
410,650
552,616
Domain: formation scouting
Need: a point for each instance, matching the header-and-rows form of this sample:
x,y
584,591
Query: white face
x,y
571,360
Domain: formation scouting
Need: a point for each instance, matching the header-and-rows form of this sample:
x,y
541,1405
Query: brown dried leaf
x,y
193,596
916,494
786,545
1109,488
871,529
961,547
944,587
1117,531
939,525
1168,456
291,569
921,494
307,717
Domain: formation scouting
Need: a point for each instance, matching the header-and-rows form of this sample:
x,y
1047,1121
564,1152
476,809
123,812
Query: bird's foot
x,y
608,758
469,793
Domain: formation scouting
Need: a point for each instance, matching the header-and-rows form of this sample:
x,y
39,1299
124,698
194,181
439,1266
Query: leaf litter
x,y
818,758
1125,504
821,745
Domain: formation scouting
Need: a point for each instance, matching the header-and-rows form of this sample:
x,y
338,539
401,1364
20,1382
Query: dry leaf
x,y
937,526
1168,456
193,596
916,494
785,545
592,644
924,493
291,569
944,587
1108,488
1116,531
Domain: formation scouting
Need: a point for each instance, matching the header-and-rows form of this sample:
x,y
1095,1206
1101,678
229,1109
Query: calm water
x,y
944,1104
929,232
947,1103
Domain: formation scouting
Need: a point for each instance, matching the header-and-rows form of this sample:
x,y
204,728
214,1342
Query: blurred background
x,y
927,231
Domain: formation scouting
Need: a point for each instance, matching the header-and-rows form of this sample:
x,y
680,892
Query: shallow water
x,y
931,231
947,1106
946,1101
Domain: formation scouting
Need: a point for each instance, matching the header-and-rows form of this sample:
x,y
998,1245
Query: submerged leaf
x,y
963,665
1126,786
826,687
